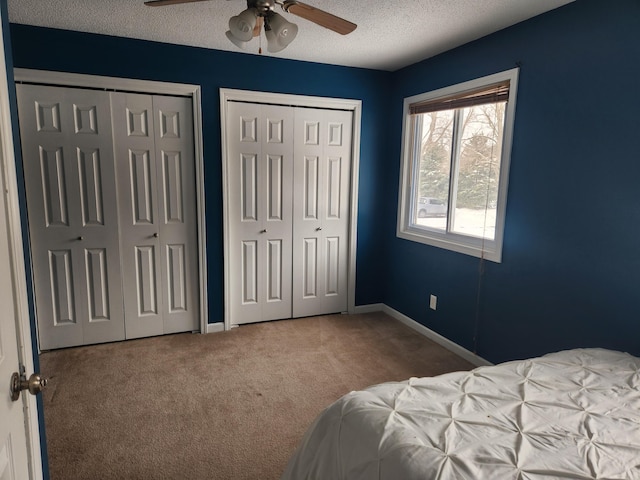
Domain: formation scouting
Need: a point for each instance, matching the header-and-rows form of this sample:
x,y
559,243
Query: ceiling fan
x,y
278,30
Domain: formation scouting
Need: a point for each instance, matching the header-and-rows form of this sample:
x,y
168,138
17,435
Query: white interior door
x,y
14,463
321,180
71,195
260,168
156,181
19,432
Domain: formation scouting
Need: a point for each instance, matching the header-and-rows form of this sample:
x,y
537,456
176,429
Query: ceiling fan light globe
x,y
281,33
238,43
272,42
241,26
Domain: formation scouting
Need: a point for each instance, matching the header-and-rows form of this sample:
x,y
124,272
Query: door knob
x,y
80,238
318,229
263,231
155,235
35,384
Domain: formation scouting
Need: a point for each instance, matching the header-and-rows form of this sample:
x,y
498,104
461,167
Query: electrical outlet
x,y
433,302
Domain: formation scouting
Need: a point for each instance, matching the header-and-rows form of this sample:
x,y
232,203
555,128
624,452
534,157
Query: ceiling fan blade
x,y
320,17
161,3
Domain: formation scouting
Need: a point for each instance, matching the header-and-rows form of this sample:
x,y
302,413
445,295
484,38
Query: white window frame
x,y
477,247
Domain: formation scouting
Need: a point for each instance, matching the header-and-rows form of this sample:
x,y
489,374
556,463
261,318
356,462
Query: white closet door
x,y
260,166
69,172
133,132
323,141
156,179
175,171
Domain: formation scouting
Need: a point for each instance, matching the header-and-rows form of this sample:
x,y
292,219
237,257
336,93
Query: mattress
x,y
568,415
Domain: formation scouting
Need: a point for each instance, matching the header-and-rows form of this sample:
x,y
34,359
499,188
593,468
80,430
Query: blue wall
x,y
59,50
571,266
570,274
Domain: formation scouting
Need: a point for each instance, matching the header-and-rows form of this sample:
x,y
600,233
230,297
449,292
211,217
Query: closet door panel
x,y
176,178
245,213
249,276
133,131
98,284
156,171
71,190
259,140
336,202
177,279
146,292
63,293
276,199
322,171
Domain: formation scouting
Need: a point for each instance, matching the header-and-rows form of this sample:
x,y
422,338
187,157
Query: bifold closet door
x,y
259,196
288,205
322,167
69,171
156,189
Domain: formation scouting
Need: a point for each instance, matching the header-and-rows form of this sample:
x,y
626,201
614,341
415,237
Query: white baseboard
x,y
427,332
371,308
215,327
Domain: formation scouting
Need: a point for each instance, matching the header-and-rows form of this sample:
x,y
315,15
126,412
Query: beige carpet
x,y
230,405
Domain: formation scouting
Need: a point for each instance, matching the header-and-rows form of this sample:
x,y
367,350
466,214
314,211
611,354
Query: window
x,y
455,165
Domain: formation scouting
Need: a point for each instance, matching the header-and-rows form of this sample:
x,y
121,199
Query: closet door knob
x,y
318,229
155,235
263,231
80,238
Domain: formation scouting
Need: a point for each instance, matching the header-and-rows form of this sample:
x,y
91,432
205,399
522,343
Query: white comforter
x,y
569,415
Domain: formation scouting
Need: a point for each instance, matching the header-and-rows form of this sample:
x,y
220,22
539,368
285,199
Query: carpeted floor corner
x,y
231,405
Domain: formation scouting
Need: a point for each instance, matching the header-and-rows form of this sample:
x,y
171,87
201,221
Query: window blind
x,y
498,92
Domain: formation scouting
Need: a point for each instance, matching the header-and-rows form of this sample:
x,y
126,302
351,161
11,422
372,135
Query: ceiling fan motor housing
x,y
262,6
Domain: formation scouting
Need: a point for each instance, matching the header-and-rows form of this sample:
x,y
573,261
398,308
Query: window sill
x,y
488,249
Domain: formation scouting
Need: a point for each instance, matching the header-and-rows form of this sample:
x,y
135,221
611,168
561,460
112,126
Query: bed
x,y
571,415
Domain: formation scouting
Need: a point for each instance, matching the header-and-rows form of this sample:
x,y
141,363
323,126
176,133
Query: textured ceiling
x,y
390,34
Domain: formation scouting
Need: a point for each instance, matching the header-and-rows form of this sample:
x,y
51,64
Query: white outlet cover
x,y
433,302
